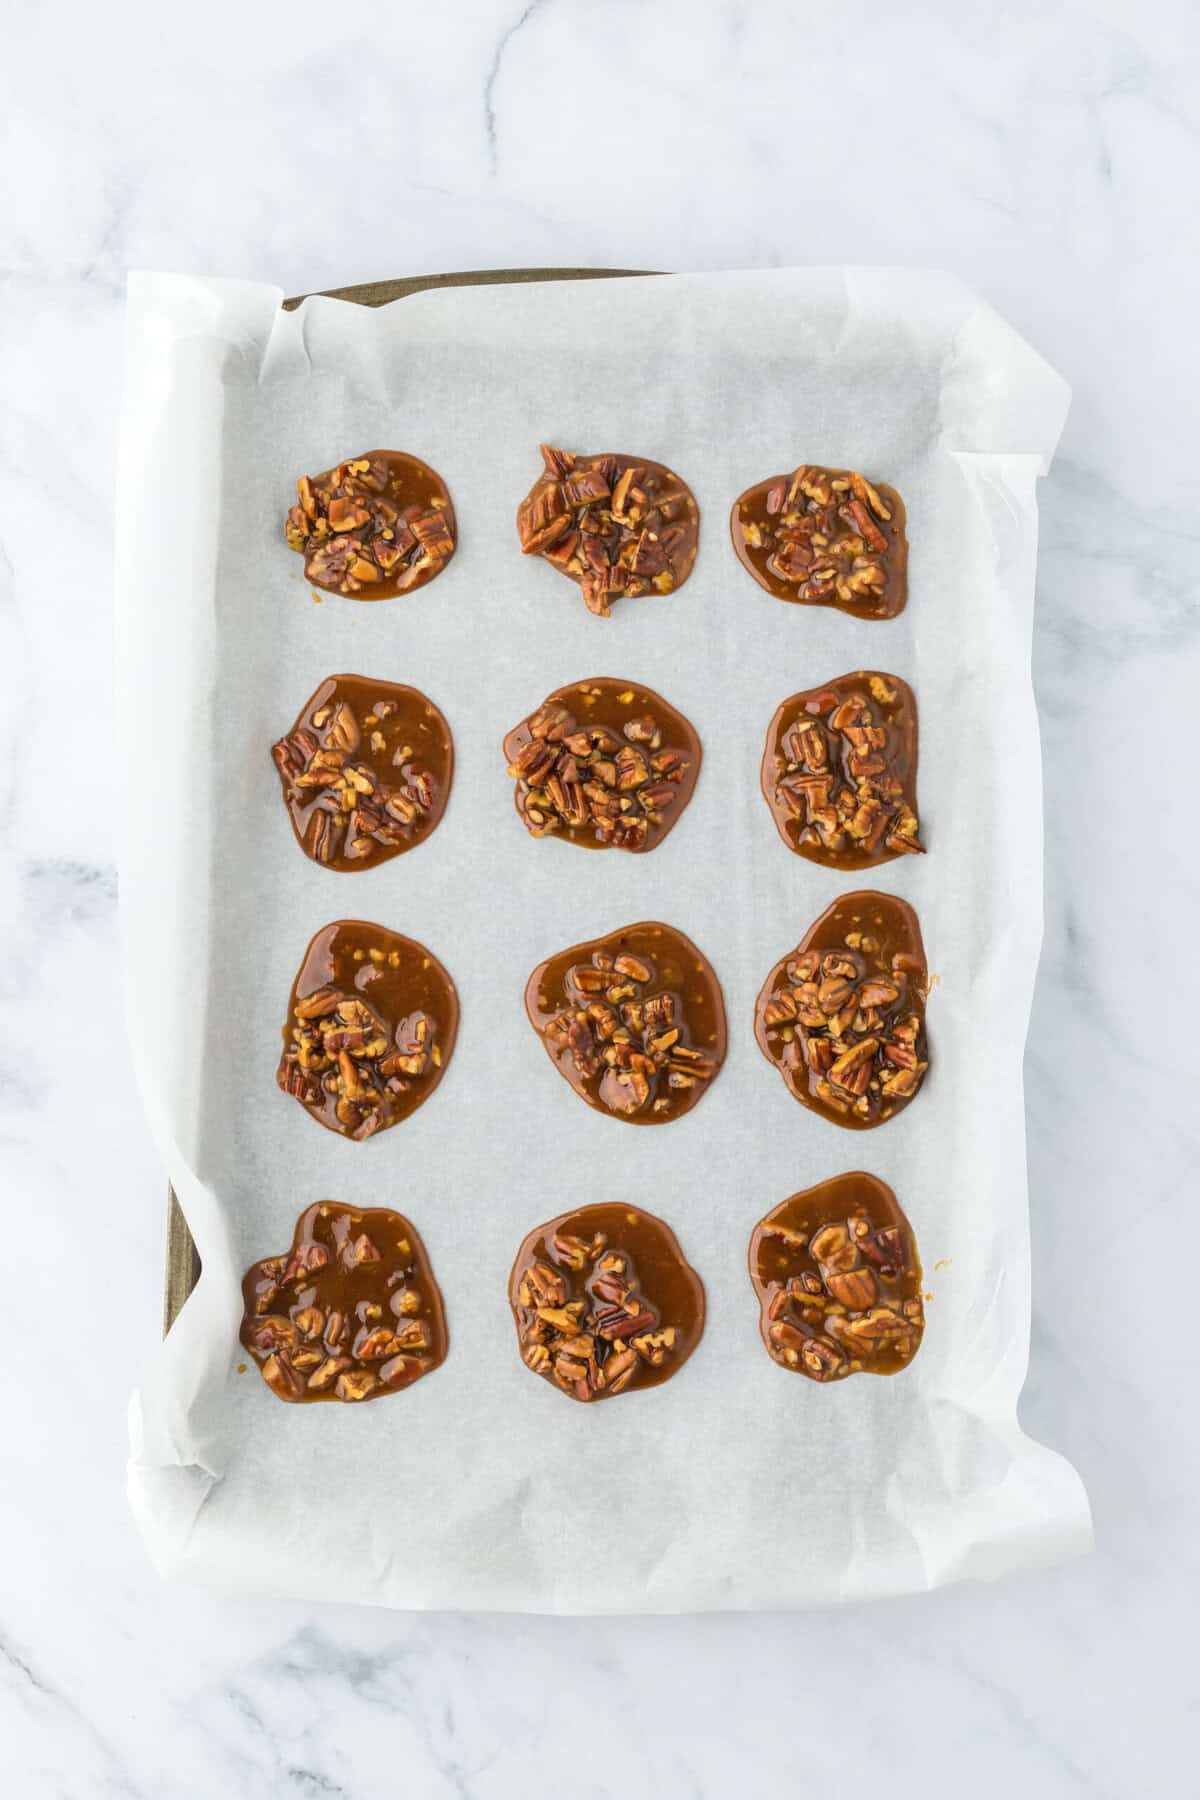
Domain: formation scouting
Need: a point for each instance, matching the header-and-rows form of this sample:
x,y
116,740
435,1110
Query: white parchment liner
x,y
734,1485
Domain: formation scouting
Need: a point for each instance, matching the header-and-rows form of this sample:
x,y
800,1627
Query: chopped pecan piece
x,y
839,771
603,763
628,1309
635,1021
371,1027
374,526
843,1016
614,524
365,770
838,1281
369,1267
825,537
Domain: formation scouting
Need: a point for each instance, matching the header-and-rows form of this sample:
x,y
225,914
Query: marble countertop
x,y
1051,156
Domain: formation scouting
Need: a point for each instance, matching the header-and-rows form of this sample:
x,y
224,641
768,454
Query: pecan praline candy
x,y
825,537
604,1301
838,1281
619,526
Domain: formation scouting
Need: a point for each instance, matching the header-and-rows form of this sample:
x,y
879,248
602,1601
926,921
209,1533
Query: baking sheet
x,y
734,1485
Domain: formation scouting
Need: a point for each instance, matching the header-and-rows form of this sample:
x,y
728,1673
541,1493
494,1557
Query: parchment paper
x,y
735,1484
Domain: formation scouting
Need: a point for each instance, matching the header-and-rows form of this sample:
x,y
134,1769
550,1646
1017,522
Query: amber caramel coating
x,y
617,525
634,1021
374,526
839,771
352,1312
842,1017
604,1301
825,537
365,771
370,1028
604,763
838,1281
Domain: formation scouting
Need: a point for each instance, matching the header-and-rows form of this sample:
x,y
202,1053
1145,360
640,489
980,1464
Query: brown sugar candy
x,y
605,1302
634,1021
842,1017
615,524
839,771
603,763
374,526
370,1028
365,770
838,1281
351,1312
825,537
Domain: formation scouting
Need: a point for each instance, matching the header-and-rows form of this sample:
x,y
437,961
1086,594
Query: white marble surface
x,y
1050,153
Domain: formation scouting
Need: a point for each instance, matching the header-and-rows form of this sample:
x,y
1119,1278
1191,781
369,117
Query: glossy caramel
x,y
668,1302
858,1307
802,786
417,512
352,1312
617,525
365,771
772,511
683,996
614,717
412,1008
880,935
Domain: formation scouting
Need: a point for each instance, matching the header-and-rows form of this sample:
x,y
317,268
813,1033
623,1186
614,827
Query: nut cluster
x,y
593,1346
618,1029
855,1026
355,534
832,1321
573,777
614,525
352,810
341,1048
348,1314
838,778
824,537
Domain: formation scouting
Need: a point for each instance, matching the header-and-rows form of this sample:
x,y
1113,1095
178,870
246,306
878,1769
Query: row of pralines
x,y
383,523
603,763
602,1298
634,1021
